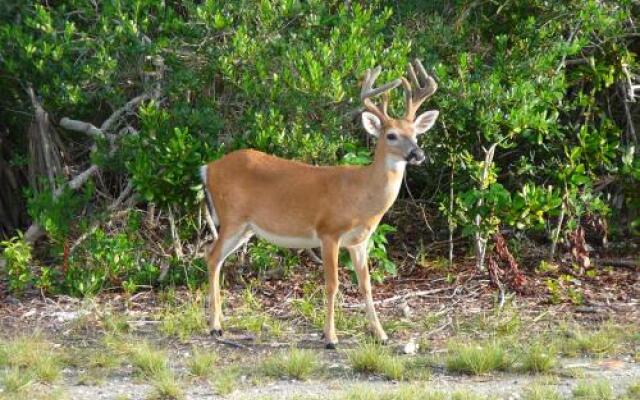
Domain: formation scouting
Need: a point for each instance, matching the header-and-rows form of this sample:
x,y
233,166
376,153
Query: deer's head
x,y
398,136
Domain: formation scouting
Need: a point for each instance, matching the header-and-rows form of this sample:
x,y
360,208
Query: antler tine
x,y
415,97
368,91
430,85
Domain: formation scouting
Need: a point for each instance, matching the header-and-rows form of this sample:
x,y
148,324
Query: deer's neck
x,y
386,174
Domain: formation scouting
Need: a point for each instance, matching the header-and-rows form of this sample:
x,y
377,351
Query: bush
x,y
17,256
282,77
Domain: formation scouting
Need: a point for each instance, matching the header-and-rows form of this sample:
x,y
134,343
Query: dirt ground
x,y
431,311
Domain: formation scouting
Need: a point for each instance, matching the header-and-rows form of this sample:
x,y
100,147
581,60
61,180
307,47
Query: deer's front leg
x,y
359,259
330,262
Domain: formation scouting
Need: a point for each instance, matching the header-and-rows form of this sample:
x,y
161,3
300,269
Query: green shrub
x,y
111,260
17,256
282,77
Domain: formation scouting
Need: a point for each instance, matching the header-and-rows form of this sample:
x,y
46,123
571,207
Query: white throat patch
x,y
395,164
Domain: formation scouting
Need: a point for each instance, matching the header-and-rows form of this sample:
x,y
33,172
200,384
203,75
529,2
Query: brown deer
x,y
296,205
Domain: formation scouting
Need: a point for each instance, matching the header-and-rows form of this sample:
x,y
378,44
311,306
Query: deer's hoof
x,y
331,346
216,332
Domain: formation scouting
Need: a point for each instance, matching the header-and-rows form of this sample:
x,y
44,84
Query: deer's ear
x,y
371,123
425,121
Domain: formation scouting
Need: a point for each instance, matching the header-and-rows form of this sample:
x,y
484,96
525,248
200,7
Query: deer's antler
x,y
368,91
413,98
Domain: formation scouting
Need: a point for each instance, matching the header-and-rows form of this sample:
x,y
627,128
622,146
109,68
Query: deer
x,y
296,205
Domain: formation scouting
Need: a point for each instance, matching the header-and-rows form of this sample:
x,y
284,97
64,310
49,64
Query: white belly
x,y
292,242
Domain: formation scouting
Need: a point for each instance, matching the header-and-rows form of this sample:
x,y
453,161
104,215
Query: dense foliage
x,y
546,82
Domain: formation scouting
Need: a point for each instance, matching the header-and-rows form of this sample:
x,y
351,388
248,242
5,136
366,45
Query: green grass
x,y
294,363
477,358
410,392
13,380
606,340
201,362
404,393
225,380
147,360
186,320
541,392
34,356
371,358
633,391
593,390
311,308
538,358
166,387
115,323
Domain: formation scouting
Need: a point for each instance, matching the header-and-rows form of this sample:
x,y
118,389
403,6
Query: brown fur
x,y
328,207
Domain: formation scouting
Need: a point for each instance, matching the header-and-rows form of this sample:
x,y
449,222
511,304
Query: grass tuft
x,y
477,358
633,391
201,362
166,387
538,358
605,340
147,360
13,380
541,392
115,323
593,390
33,356
374,359
294,363
226,380
185,320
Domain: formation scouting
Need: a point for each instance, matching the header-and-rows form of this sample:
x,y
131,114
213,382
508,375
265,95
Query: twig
x,y
556,233
127,108
117,202
481,242
175,237
35,231
233,344
421,207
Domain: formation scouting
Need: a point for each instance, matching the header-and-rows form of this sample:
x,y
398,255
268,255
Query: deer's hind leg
x,y
231,237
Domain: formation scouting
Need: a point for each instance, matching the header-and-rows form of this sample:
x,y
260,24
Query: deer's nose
x,y
416,156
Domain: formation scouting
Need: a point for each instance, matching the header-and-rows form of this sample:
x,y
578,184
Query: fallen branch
x,y
35,231
86,128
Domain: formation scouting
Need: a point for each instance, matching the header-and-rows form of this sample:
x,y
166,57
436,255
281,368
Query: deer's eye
x,y
392,136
